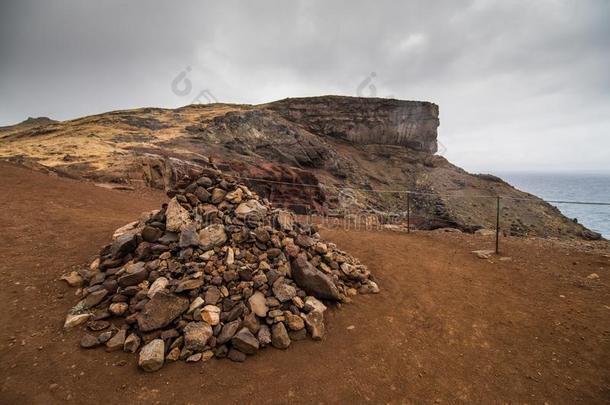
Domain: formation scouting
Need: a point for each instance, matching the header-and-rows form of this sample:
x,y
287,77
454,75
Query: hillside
x,y
354,154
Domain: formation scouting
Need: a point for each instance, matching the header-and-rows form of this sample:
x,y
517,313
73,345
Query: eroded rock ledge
x,y
365,121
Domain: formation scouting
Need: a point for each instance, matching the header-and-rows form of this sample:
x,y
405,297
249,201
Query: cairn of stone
x,y
216,272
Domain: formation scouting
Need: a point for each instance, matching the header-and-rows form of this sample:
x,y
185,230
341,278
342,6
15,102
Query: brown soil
x,y
447,327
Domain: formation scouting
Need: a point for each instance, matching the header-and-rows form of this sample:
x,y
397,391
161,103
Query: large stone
x,y
284,220
118,308
196,335
130,227
235,196
315,324
304,241
131,343
313,281
211,314
93,299
151,234
176,216
73,320
158,285
279,336
264,336
152,356
161,310
294,322
73,279
212,236
202,194
245,341
251,210
134,274
212,295
251,322
227,332
191,284
282,291
236,355
195,304
313,304
188,236
124,244
117,341
258,304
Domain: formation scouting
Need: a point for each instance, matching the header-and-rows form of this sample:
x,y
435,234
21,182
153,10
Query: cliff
x,y
352,155
364,121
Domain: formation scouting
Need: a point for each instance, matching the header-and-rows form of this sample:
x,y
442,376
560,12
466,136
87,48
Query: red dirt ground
x,y
447,327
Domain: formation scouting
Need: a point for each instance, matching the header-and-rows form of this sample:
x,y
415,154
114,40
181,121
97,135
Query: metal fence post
x,y
498,225
408,212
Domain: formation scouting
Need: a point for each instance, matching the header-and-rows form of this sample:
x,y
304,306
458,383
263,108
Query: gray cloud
x,y
521,85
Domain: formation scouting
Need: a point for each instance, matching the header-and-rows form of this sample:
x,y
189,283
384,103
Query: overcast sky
x,y
520,84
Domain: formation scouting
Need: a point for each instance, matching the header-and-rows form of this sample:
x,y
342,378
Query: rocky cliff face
x,y
364,121
341,155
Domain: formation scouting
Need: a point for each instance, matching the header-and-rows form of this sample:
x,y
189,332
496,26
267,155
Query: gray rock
x,y
161,310
92,299
245,341
104,337
279,336
264,336
152,356
196,335
124,244
212,236
227,332
236,355
151,234
282,291
131,343
313,281
117,341
304,241
202,194
296,335
251,322
188,236
169,237
134,274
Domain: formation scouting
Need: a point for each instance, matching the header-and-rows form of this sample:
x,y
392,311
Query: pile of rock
x,y
215,273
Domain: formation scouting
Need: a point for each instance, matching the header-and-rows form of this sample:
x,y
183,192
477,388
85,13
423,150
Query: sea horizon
x,y
591,186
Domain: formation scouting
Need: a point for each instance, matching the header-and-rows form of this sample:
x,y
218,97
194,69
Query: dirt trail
x,y
448,327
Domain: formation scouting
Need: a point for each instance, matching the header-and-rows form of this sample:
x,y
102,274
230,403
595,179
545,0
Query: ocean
x,y
589,187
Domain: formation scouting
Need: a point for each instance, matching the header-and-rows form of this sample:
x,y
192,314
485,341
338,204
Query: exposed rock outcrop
x,y
364,121
326,154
